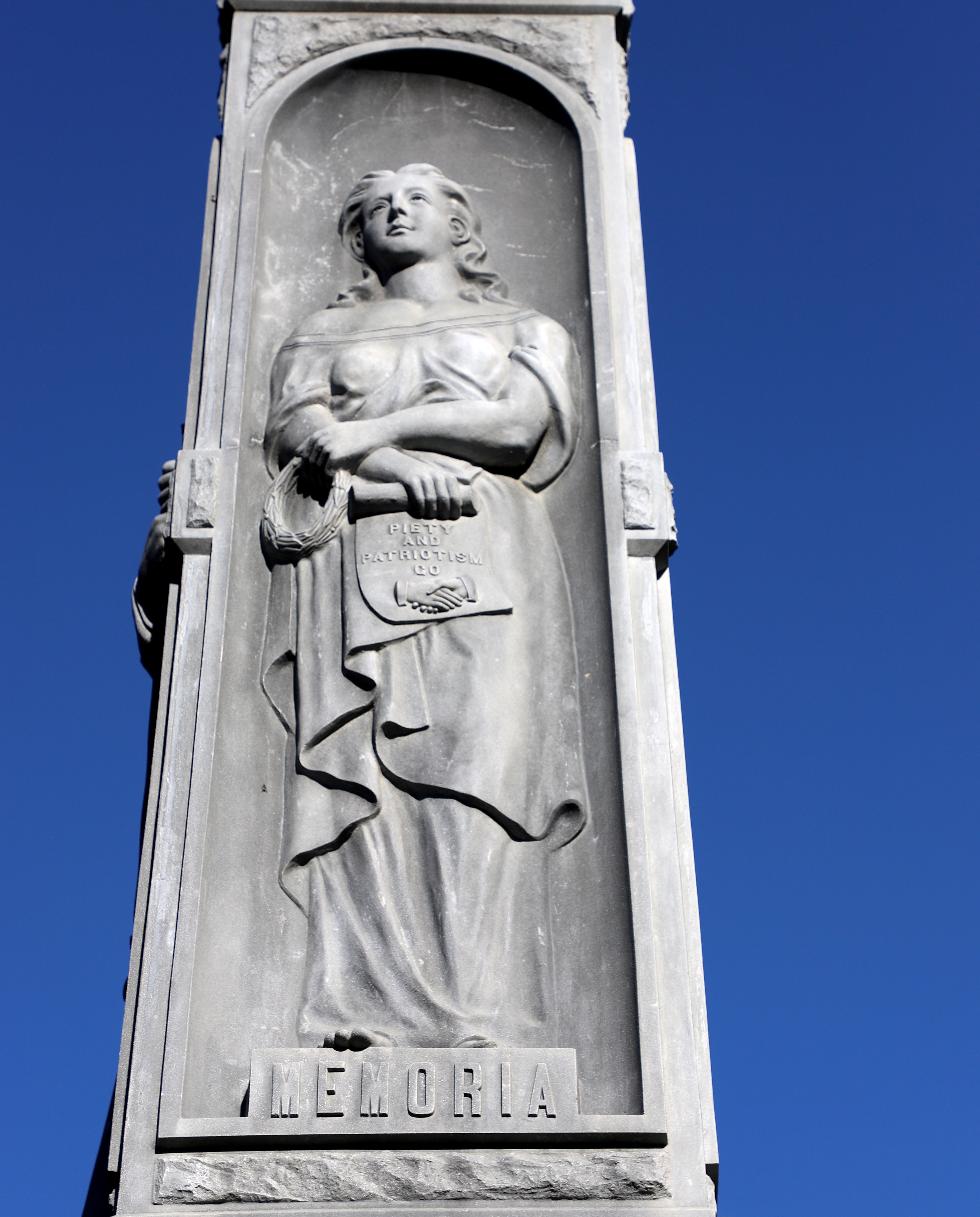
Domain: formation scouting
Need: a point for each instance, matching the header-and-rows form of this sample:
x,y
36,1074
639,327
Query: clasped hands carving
x,y
434,491
439,594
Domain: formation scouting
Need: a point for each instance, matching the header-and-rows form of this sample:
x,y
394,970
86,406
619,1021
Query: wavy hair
x,y
480,280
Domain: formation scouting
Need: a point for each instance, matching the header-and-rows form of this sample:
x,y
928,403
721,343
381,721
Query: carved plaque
x,y
413,1091
411,570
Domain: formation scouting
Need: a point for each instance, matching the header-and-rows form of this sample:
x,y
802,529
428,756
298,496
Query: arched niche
x,y
519,150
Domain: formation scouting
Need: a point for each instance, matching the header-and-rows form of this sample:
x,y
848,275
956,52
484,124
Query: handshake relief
x,y
437,594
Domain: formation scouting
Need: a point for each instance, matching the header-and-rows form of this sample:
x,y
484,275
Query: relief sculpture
x,y
419,647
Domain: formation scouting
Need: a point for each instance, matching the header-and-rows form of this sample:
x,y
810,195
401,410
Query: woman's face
x,y
404,220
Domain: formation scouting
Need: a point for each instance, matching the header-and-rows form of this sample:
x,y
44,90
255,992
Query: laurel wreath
x,y
288,544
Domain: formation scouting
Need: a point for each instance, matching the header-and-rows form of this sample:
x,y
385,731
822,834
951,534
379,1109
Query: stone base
x,y
433,1176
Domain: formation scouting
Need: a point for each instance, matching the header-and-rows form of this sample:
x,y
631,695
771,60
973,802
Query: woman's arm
x,y
434,492
501,434
149,597
295,424
299,396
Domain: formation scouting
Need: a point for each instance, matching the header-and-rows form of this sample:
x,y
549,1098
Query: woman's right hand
x,y
342,445
433,492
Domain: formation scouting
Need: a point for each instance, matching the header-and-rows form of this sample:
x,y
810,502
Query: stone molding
x,y
437,1175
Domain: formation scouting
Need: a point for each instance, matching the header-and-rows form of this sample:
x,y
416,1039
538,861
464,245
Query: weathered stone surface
x,y
648,504
202,492
398,1175
647,501
195,500
638,470
280,44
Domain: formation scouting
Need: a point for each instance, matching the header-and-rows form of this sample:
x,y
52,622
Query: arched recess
x,y
519,146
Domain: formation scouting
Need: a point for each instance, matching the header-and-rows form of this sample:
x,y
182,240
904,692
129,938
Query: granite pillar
x,y
417,921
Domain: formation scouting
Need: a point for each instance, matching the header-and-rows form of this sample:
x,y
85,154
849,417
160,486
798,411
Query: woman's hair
x,y
481,281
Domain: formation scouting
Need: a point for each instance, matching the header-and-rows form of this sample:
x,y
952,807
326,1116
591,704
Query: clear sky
x,y
809,187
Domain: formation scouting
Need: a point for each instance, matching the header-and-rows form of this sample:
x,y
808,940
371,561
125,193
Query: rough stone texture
x,y
647,501
638,471
648,504
195,500
398,1175
202,492
623,80
280,44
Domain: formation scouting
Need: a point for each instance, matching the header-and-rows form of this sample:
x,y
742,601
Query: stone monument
x,y
416,924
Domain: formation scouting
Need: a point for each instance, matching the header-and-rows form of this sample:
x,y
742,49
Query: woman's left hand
x,y
341,445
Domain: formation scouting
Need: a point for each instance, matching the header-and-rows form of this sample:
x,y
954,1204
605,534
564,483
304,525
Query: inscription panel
x,y
409,569
412,1090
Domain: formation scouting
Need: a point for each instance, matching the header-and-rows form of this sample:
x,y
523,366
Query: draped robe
x,y
434,760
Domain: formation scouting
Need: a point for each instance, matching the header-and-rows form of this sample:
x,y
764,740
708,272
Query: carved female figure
x,y
423,659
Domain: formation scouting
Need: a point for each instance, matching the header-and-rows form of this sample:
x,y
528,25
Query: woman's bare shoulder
x,y
338,321
331,322
538,330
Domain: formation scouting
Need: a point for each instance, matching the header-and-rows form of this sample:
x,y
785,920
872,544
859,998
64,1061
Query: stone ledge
x,y
299,1176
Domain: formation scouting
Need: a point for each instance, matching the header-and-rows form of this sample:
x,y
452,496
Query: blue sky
x,y
809,179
